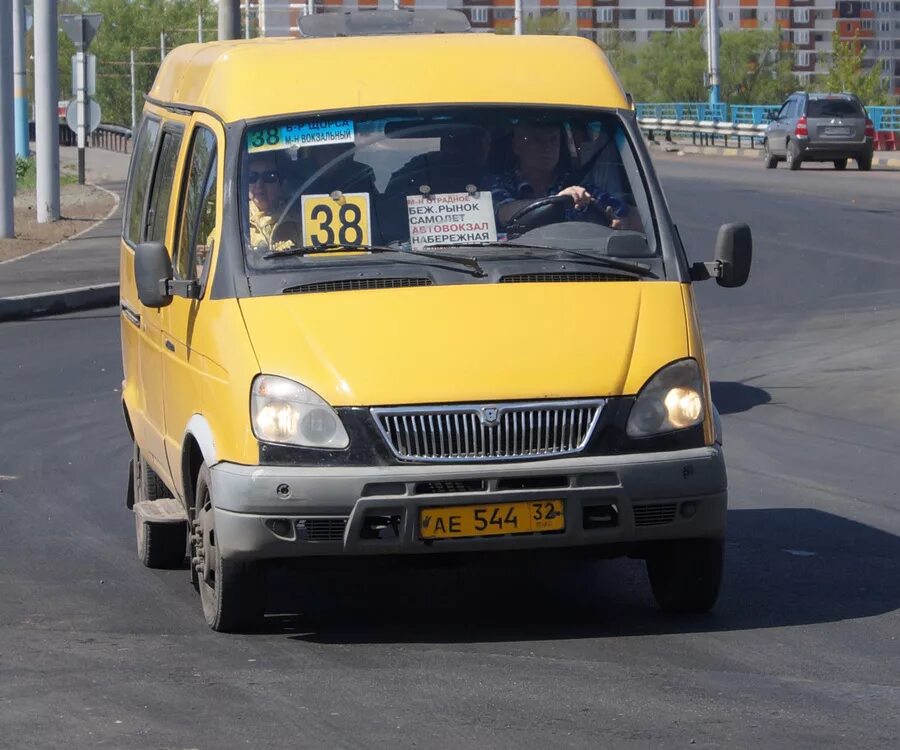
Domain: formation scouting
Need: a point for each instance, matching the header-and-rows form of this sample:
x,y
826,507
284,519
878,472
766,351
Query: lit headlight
x,y
283,411
671,400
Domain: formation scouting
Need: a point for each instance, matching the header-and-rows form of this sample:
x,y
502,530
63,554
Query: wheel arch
x,y
197,447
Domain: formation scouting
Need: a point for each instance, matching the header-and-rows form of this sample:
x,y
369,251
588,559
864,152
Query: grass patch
x,y
26,174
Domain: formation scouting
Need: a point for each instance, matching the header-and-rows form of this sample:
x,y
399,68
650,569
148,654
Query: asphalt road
x,y
802,651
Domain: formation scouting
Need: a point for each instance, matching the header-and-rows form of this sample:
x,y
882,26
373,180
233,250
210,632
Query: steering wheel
x,y
538,213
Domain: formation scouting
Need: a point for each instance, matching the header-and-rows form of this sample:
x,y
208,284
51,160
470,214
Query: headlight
x,y
283,411
671,400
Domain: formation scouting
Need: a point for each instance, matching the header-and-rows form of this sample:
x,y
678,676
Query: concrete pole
x,y
7,125
310,7
246,19
517,18
133,101
81,104
229,19
712,45
200,28
46,96
20,89
162,46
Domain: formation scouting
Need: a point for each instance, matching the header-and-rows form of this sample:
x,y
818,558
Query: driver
x,y
539,172
273,227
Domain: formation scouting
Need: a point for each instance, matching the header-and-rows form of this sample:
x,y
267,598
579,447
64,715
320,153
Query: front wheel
x,y
685,575
840,163
232,593
771,161
864,163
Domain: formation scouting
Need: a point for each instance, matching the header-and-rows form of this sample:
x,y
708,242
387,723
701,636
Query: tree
x,y
846,73
755,68
669,67
137,25
547,23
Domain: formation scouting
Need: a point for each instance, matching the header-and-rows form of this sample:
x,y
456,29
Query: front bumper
x,y
266,512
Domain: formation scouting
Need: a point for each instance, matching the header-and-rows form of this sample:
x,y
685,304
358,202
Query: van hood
x,y
472,342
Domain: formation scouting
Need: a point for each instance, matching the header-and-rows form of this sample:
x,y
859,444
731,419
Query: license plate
x,y
837,131
492,519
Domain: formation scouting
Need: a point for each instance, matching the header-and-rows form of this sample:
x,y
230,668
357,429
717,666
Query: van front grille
x,y
352,285
321,529
545,278
488,432
654,515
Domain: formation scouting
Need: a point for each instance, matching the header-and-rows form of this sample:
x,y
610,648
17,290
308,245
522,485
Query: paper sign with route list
x,y
451,219
300,135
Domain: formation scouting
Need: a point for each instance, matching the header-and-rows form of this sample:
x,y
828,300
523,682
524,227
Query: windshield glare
x,y
419,179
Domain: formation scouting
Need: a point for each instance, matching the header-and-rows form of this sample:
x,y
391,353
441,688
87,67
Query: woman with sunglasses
x,y
273,225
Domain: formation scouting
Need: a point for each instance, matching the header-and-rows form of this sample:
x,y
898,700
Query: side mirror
x,y
771,115
734,253
152,273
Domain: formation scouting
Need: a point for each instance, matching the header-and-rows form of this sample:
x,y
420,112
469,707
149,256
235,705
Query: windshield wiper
x,y
471,264
326,250
640,269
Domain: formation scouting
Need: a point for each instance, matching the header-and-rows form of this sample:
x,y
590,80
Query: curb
x,y
116,202
59,302
755,153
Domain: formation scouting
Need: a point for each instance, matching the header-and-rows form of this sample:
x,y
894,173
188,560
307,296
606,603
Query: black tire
x,y
232,593
840,164
794,160
864,163
147,484
159,545
686,575
770,160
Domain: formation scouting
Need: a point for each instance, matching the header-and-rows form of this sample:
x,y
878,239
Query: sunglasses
x,y
269,178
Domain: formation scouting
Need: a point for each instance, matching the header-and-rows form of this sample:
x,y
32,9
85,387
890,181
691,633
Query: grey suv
x,y
819,127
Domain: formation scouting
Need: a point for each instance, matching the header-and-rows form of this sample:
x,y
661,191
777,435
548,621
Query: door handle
x,y
170,346
133,317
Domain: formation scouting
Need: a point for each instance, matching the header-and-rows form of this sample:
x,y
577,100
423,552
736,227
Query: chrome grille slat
x,y
465,433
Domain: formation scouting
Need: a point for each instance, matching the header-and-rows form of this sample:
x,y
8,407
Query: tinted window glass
x,y
410,178
833,108
158,212
198,207
141,162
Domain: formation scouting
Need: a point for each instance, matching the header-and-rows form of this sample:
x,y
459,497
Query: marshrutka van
x,y
392,288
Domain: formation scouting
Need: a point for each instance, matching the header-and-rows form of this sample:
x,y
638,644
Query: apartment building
x,y
806,25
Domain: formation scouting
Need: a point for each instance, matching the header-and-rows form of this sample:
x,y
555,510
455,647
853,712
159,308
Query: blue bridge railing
x,y
883,118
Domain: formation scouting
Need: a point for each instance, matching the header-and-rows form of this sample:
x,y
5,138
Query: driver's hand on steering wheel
x,y
580,196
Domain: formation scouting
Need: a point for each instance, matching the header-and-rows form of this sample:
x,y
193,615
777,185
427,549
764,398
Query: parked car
x,y
820,127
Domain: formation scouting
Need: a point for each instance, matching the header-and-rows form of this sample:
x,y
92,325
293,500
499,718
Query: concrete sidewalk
x,y
90,259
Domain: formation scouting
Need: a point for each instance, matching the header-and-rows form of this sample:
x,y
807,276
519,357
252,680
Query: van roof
x,y
247,79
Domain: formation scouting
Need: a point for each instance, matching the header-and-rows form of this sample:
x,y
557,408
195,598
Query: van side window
x,y
163,178
198,207
142,162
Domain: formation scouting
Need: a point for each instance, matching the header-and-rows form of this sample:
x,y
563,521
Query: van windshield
x,y
422,179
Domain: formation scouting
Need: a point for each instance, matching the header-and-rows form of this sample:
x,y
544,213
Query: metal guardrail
x,y
883,118
109,137
703,132
112,138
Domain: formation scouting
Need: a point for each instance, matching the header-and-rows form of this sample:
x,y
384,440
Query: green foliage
x,y
137,25
669,67
23,167
847,74
547,23
753,67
